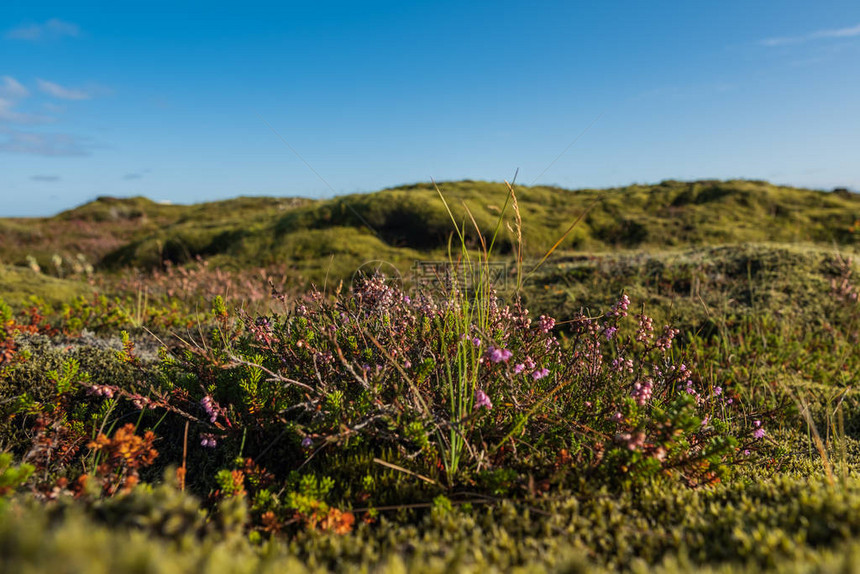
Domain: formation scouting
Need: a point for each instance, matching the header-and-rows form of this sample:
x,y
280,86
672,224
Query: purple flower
x,y
497,355
759,433
620,308
207,440
540,373
718,391
482,400
609,332
519,368
307,442
545,324
476,341
642,391
208,406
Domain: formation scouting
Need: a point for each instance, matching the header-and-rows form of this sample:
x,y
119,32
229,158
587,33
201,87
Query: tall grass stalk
x,y
466,323
468,316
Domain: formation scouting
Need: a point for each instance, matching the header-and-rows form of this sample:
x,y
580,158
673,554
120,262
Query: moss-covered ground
x,y
164,411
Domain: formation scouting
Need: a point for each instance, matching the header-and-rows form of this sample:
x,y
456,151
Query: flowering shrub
x,y
369,371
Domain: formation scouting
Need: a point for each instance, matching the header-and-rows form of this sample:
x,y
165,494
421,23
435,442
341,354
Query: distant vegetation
x,y
674,390
402,223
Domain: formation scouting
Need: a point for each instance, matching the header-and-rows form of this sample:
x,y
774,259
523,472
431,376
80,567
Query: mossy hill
x,y
332,237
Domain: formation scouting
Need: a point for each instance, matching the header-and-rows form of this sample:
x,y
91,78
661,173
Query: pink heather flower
x,y
540,373
497,355
482,400
664,343
620,308
617,417
642,392
718,391
519,368
759,433
207,404
207,440
622,365
307,442
646,328
476,341
101,391
545,324
609,332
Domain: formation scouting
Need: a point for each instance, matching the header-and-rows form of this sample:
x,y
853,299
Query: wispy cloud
x,y
54,108
10,115
44,144
849,32
132,176
12,88
62,92
45,178
48,30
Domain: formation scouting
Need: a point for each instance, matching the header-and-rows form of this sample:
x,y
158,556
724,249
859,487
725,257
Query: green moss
x,y
18,285
253,231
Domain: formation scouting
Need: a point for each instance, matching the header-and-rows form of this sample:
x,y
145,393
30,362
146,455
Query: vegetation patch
x,y
633,409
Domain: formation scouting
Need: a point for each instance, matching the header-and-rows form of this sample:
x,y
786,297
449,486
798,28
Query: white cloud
x,y
838,33
61,92
8,114
45,144
50,29
12,88
849,32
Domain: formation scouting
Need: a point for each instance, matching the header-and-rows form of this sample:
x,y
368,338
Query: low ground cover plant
x,y
379,427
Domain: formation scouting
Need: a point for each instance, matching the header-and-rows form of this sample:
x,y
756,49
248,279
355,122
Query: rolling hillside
x,y
332,237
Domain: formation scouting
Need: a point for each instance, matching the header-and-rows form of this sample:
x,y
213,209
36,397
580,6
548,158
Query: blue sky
x,y
179,101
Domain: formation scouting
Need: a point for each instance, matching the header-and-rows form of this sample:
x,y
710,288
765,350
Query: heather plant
x,y
446,390
367,372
